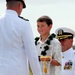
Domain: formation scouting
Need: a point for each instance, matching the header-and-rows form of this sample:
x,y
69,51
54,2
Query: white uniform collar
x,y
12,12
68,52
44,41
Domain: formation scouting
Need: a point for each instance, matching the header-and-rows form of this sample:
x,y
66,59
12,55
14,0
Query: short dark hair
x,y
46,19
12,3
24,5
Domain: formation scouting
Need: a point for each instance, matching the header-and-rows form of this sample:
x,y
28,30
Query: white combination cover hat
x,y
64,32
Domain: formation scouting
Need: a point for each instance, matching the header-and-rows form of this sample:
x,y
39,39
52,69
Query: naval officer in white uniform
x,y
65,36
17,46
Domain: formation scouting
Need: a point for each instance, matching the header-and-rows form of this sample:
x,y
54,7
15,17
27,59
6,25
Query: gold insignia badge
x,y
60,32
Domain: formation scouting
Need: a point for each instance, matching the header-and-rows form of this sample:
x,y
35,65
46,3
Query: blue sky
x,y
61,11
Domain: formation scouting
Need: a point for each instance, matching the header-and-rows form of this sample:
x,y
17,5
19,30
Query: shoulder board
x,y
23,18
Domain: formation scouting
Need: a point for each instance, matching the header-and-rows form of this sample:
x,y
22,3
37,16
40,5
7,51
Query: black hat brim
x,y
24,5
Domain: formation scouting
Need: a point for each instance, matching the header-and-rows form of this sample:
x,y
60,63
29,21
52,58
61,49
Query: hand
x,y
45,58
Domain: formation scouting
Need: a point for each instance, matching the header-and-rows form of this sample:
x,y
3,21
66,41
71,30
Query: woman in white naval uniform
x,y
17,46
65,36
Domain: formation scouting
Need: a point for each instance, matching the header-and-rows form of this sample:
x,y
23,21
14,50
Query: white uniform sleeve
x,y
30,49
74,64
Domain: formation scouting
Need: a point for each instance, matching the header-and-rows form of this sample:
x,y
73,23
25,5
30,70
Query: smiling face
x,y
43,28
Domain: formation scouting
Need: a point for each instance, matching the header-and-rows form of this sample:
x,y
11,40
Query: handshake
x,y
45,58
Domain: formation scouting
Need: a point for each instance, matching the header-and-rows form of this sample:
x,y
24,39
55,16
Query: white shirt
x,y
17,46
55,52
68,62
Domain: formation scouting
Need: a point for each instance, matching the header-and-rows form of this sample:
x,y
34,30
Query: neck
x,y
63,50
44,37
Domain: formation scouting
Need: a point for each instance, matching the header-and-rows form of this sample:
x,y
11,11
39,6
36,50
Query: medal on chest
x,y
68,65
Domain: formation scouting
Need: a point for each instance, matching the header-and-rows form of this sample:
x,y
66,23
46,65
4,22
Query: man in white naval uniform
x,y
65,36
17,46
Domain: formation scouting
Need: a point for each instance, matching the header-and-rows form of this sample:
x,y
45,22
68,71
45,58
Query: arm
x,y
56,56
30,49
55,62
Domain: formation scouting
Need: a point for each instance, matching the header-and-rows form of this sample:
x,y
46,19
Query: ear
x,y
50,26
71,40
19,5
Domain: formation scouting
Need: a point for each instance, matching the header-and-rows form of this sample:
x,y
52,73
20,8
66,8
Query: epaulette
x,y
23,18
